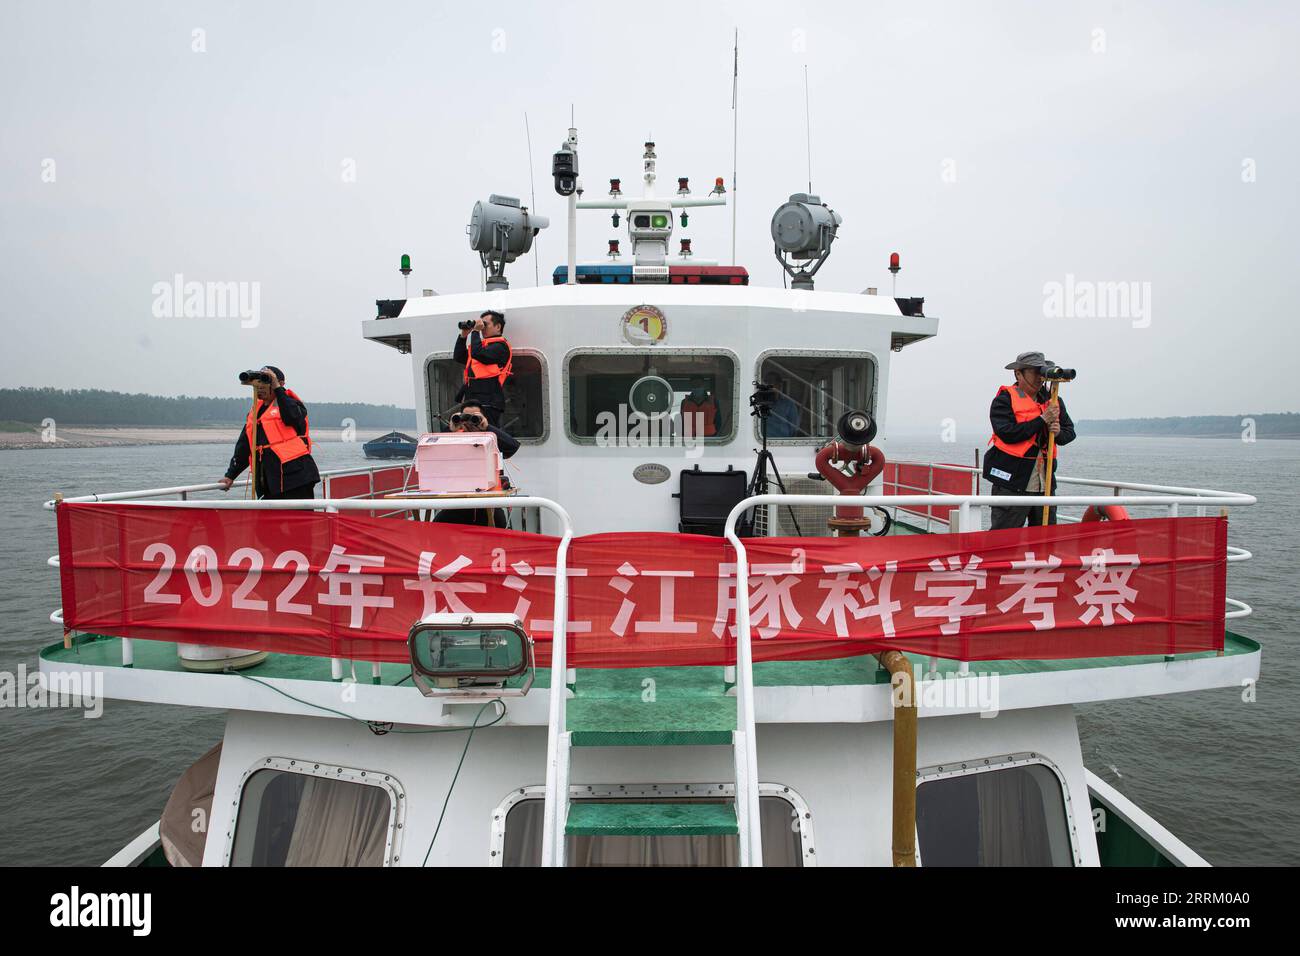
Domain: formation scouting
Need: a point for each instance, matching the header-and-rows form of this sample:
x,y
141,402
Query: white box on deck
x,y
448,463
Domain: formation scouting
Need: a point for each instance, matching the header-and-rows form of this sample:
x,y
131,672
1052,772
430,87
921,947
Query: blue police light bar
x,y
587,275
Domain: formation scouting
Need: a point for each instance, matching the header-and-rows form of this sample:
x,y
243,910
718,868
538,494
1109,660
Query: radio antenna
x,y
807,112
735,126
532,188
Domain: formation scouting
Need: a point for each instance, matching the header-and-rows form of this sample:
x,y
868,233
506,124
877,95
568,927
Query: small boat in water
x,y
392,445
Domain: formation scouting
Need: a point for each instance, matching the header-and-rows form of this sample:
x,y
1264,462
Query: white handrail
x,y
207,486
1244,609
746,759
1094,482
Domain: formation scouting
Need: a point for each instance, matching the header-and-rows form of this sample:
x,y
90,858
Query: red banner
x,y
351,586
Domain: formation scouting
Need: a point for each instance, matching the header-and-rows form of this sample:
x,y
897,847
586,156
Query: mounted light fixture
x,y
803,229
472,656
500,231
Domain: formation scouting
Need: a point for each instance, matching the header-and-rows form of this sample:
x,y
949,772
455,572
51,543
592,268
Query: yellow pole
x,y
252,450
904,830
1051,451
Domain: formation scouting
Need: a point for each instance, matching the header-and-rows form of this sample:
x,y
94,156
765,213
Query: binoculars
x,y
1054,373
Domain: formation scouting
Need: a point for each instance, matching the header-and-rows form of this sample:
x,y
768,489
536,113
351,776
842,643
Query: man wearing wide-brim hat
x,y
1023,418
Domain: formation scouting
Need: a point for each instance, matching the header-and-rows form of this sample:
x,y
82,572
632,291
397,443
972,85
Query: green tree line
x,y
1270,425
92,406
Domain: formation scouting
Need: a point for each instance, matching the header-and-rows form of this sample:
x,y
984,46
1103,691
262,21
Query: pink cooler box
x,y
458,463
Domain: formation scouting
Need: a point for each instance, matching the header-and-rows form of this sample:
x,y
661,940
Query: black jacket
x,y
488,390
273,477
507,444
1008,471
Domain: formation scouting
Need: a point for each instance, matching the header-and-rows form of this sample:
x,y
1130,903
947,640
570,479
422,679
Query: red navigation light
x,y
718,186
613,248
686,247
683,185
893,263
614,185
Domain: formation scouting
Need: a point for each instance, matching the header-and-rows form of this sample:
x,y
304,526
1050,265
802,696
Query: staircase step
x,y
650,819
667,721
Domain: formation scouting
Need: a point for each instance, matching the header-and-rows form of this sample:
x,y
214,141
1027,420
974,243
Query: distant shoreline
x,y
1236,436
97,436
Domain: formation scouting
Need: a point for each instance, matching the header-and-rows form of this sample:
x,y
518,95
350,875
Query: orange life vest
x,y
708,412
1026,410
476,369
280,438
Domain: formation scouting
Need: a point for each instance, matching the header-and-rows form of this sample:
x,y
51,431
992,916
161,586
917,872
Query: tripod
x,y
758,485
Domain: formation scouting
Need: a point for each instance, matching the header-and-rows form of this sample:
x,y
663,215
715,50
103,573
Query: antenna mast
x,y
735,125
532,189
807,112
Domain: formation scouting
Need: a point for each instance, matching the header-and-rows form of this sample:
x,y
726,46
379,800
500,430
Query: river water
x,y
1219,771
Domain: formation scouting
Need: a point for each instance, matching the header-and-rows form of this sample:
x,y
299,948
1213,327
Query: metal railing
x,y
967,520
968,509
183,492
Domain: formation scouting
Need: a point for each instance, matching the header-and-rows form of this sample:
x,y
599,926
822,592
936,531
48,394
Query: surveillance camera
x,y
564,167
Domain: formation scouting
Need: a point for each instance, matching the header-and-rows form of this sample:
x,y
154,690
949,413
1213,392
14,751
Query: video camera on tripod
x,y
763,399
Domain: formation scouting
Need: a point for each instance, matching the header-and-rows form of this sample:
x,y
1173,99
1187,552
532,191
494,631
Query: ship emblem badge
x,y
644,325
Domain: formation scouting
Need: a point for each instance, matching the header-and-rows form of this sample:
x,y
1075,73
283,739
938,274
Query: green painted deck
x,y
587,818
671,683
650,707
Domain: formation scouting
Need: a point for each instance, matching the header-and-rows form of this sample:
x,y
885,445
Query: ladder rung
x,y
626,818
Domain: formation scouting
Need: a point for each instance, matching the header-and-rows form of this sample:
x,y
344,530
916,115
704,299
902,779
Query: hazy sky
x,y
999,147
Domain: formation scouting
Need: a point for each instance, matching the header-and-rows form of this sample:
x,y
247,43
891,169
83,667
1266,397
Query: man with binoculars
x,y
275,439
1023,416
483,350
472,417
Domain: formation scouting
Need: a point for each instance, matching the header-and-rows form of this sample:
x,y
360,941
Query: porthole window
x,y
816,388
651,396
525,416
293,813
1009,815
785,820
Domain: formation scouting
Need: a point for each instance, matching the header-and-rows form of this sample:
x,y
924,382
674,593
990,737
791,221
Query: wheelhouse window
x,y
1013,816
651,396
525,415
781,838
287,818
816,388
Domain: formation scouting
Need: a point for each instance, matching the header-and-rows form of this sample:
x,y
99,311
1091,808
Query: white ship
x,y
779,752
